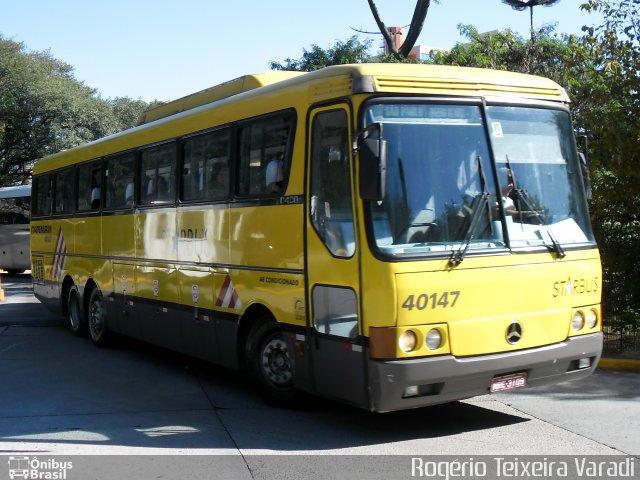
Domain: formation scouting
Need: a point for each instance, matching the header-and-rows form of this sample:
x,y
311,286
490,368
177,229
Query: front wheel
x,y
98,319
269,362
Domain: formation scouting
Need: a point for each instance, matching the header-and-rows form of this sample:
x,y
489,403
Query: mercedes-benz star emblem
x,y
514,332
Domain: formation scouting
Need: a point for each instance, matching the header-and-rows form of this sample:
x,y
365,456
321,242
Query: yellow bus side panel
x,y
196,288
281,293
202,235
118,237
267,236
156,235
88,235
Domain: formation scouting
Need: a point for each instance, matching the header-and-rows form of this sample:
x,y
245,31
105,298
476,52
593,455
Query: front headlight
x,y
591,317
434,339
577,322
407,341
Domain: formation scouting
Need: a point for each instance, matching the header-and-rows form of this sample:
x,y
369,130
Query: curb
x,y
619,364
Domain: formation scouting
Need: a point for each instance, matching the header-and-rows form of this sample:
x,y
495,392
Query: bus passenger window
x,y
119,173
264,156
64,191
89,186
157,174
14,210
205,168
42,195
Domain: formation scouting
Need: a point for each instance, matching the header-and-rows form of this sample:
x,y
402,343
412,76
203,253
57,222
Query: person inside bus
x,y
274,174
512,202
61,203
508,194
157,189
95,190
128,195
220,176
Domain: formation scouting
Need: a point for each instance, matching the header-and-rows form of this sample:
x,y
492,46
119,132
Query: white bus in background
x,y
15,210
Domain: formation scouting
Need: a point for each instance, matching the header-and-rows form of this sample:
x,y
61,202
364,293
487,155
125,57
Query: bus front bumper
x,y
412,383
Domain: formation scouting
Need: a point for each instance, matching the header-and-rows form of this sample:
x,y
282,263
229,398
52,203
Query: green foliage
x,y
600,73
549,55
561,57
613,122
126,111
350,51
44,109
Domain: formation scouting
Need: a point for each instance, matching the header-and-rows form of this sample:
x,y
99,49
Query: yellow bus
x,y
390,236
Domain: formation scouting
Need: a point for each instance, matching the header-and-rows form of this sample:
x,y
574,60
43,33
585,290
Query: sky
x,y
161,49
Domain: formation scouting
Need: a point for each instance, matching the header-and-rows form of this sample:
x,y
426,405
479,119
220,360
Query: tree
x,y
613,124
349,51
523,4
562,58
126,111
44,109
417,23
600,73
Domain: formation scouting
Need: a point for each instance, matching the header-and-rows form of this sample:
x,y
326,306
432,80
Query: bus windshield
x,y
456,182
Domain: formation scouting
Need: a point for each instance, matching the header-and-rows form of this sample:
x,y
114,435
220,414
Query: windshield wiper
x,y
522,198
478,207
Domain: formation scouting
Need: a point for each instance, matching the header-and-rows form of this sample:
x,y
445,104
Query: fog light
x,y
410,391
434,339
591,317
584,363
578,321
407,341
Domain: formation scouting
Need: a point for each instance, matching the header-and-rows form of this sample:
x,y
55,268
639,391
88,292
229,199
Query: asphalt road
x,y
60,395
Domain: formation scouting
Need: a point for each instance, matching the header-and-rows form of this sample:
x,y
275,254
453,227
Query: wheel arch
x,y
67,284
86,294
253,315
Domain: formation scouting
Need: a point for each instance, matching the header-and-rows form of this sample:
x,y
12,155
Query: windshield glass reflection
x,y
441,193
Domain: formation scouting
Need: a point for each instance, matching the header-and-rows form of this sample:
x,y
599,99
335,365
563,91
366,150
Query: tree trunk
x,y
417,23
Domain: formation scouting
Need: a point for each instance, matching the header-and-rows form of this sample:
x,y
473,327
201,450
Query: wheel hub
x,y
276,365
96,315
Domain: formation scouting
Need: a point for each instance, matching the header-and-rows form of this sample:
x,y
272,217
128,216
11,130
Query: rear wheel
x,y
76,319
98,319
269,362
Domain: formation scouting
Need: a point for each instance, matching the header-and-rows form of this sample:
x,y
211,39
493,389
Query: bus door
x,y
334,329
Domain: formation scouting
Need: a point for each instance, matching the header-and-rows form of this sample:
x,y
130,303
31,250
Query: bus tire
x,y
97,319
270,365
77,323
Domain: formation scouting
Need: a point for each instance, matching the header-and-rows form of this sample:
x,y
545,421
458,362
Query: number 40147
x,y
434,300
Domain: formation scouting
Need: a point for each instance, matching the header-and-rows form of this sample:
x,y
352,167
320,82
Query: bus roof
x,y
16,191
218,92
321,85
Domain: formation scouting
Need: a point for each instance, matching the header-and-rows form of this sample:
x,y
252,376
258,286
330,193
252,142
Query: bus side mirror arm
x,y
584,170
373,162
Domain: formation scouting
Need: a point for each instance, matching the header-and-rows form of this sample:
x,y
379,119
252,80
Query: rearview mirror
x,y
373,164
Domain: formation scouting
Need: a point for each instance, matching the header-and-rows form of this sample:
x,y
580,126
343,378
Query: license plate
x,y
509,382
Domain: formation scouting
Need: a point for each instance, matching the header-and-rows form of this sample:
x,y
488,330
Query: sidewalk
x,y
620,364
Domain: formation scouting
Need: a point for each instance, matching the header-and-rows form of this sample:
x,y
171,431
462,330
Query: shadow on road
x,y
59,389
137,395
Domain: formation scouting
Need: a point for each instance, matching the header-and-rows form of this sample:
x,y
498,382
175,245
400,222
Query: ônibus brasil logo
x,y
34,468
